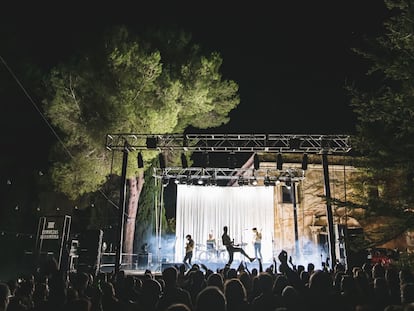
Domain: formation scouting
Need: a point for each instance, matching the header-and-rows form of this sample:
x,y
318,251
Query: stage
x,y
156,270
214,262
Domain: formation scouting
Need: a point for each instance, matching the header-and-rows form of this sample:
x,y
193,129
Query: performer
x,y
257,242
231,248
211,242
211,245
189,247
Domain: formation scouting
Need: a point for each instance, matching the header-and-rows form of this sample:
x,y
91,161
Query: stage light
x,y
140,161
200,181
240,181
294,143
305,162
254,182
161,159
151,142
256,161
184,163
266,181
288,184
182,180
165,181
279,161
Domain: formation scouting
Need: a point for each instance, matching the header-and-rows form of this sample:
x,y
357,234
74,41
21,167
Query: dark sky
x,y
290,60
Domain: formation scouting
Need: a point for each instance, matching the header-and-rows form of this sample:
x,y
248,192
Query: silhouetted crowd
x,y
281,286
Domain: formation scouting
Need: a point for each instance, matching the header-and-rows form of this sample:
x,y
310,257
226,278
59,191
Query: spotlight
x,y
240,181
254,182
294,143
151,142
184,163
161,159
266,181
288,184
305,162
200,181
256,161
279,161
182,180
140,160
165,181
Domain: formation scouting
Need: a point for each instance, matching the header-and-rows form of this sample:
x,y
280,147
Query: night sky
x,y
290,61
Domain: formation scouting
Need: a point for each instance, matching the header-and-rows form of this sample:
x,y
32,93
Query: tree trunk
x,y
135,188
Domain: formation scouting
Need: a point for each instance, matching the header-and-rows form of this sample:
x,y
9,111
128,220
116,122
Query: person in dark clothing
x,y
189,247
231,248
172,293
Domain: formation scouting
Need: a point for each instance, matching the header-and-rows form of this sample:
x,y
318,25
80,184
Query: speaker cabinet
x,y
89,251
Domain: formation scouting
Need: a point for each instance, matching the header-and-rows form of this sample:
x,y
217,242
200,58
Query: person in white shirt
x,y
257,243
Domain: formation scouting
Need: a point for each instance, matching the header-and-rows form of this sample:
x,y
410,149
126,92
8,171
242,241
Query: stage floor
x,y
214,266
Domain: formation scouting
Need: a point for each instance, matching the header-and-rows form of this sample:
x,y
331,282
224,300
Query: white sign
x,y
50,233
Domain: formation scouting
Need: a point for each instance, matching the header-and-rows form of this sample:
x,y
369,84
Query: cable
x,y
47,122
35,106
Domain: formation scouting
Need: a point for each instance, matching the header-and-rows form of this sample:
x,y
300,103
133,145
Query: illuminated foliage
x,y
126,85
385,131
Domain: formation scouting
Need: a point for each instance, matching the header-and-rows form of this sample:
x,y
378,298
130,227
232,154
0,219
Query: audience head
x,y
178,307
378,271
170,276
215,279
291,297
234,291
320,282
231,273
210,298
279,284
265,282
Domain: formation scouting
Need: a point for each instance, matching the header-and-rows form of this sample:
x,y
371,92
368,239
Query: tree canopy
x,y
385,111
385,114
157,83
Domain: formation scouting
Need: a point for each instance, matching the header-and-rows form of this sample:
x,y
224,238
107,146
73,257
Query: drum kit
x,y
211,254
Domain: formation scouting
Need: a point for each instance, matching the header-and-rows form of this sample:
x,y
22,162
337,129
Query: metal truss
x,y
244,176
270,143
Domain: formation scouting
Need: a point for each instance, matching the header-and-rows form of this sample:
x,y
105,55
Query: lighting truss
x,y
210,175
270,143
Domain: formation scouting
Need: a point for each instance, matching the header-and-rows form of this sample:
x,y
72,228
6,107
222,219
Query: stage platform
x,y
156,269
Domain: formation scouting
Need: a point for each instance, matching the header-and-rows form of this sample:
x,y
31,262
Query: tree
x,y
385,131
126,85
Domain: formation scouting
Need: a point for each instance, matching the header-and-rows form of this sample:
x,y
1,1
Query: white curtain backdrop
x,y
207,209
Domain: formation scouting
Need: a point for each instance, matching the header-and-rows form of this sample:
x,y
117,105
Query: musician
x,y
189,247
257,243
211,242
231,248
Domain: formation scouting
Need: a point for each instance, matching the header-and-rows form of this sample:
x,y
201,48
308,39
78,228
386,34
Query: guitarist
x,y
231,248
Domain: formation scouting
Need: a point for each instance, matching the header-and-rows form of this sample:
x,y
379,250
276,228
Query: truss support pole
x,y
295,218
329,215
121,211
